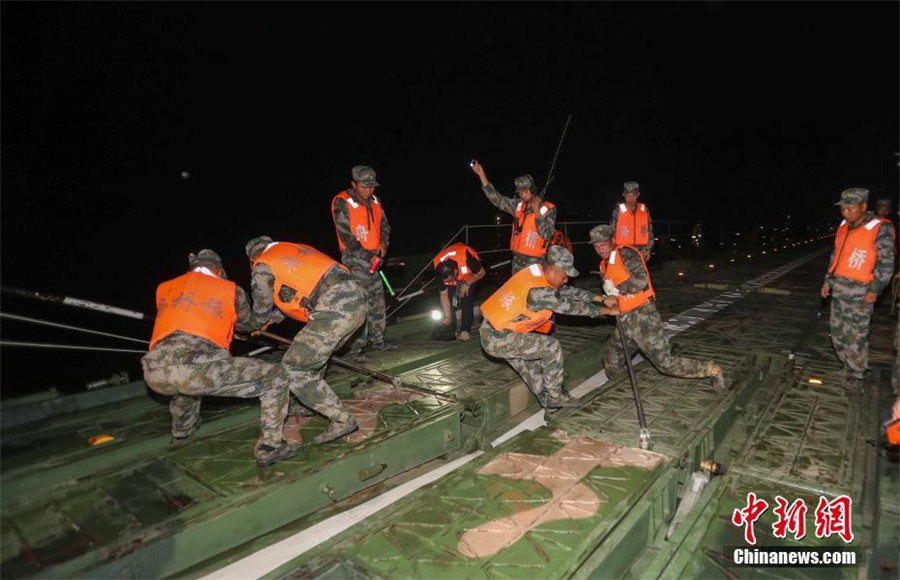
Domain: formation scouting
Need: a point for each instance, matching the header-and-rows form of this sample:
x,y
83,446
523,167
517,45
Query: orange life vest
x,y
510,302
299,267
634,231
616,272
558,239
457,253
854,251
365,227
197,304
893,433
525,238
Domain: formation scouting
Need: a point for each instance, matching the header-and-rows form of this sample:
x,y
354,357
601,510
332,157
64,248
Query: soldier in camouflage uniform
x,y
643,326
859,269
185,366
351,239
336,308
536,356
631,191
544,213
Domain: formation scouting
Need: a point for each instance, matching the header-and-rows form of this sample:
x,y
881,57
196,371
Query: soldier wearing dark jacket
x,y
364,236
310,287
626,277
517,321
196,316
534,220
860,268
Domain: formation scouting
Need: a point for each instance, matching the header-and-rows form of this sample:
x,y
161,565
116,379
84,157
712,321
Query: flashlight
x,y
437,315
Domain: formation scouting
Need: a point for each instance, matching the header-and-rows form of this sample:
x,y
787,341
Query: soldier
x,y
363,235
195,320
310,287
533,220
458,269
860,268
626,277
631,221
517,322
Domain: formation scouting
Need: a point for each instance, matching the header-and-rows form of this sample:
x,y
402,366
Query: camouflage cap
x,y
524,182
561,258
853,196
256,245
601,233
631,187
203,256
364,175
883,202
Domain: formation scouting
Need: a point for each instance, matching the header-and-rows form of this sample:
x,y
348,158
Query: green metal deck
x,y
575,498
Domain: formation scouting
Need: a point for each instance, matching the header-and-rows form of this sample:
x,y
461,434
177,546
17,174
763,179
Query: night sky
x,y
736,111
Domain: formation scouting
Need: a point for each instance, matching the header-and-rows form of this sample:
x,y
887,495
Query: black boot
x,y
267,455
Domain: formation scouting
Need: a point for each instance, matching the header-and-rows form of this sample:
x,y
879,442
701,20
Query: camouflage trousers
x,y
644,330
521,261
537,358
372,332
850,317
338,312
185,367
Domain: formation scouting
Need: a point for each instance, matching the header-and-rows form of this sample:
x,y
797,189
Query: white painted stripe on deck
x,y
278,554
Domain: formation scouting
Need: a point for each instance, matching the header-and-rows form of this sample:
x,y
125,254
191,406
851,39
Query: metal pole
x,y
642,419
555,156
77,302
338,361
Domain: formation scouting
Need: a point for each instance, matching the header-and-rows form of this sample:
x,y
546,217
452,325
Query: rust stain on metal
x,y
365,408
561,474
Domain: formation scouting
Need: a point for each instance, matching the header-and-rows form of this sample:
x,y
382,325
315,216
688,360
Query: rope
x,y
66,346
56,324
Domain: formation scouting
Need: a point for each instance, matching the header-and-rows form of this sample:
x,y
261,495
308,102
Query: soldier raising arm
x,y
533,220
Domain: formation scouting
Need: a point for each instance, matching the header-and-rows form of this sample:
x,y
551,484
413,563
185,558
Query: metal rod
x,y
550,174
77,302
642,419
338,361
66,346
427,264
66,326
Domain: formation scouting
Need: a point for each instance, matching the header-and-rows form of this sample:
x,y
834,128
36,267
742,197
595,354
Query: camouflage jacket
x,y
545,224
884,259
614,221
352,247
564,300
